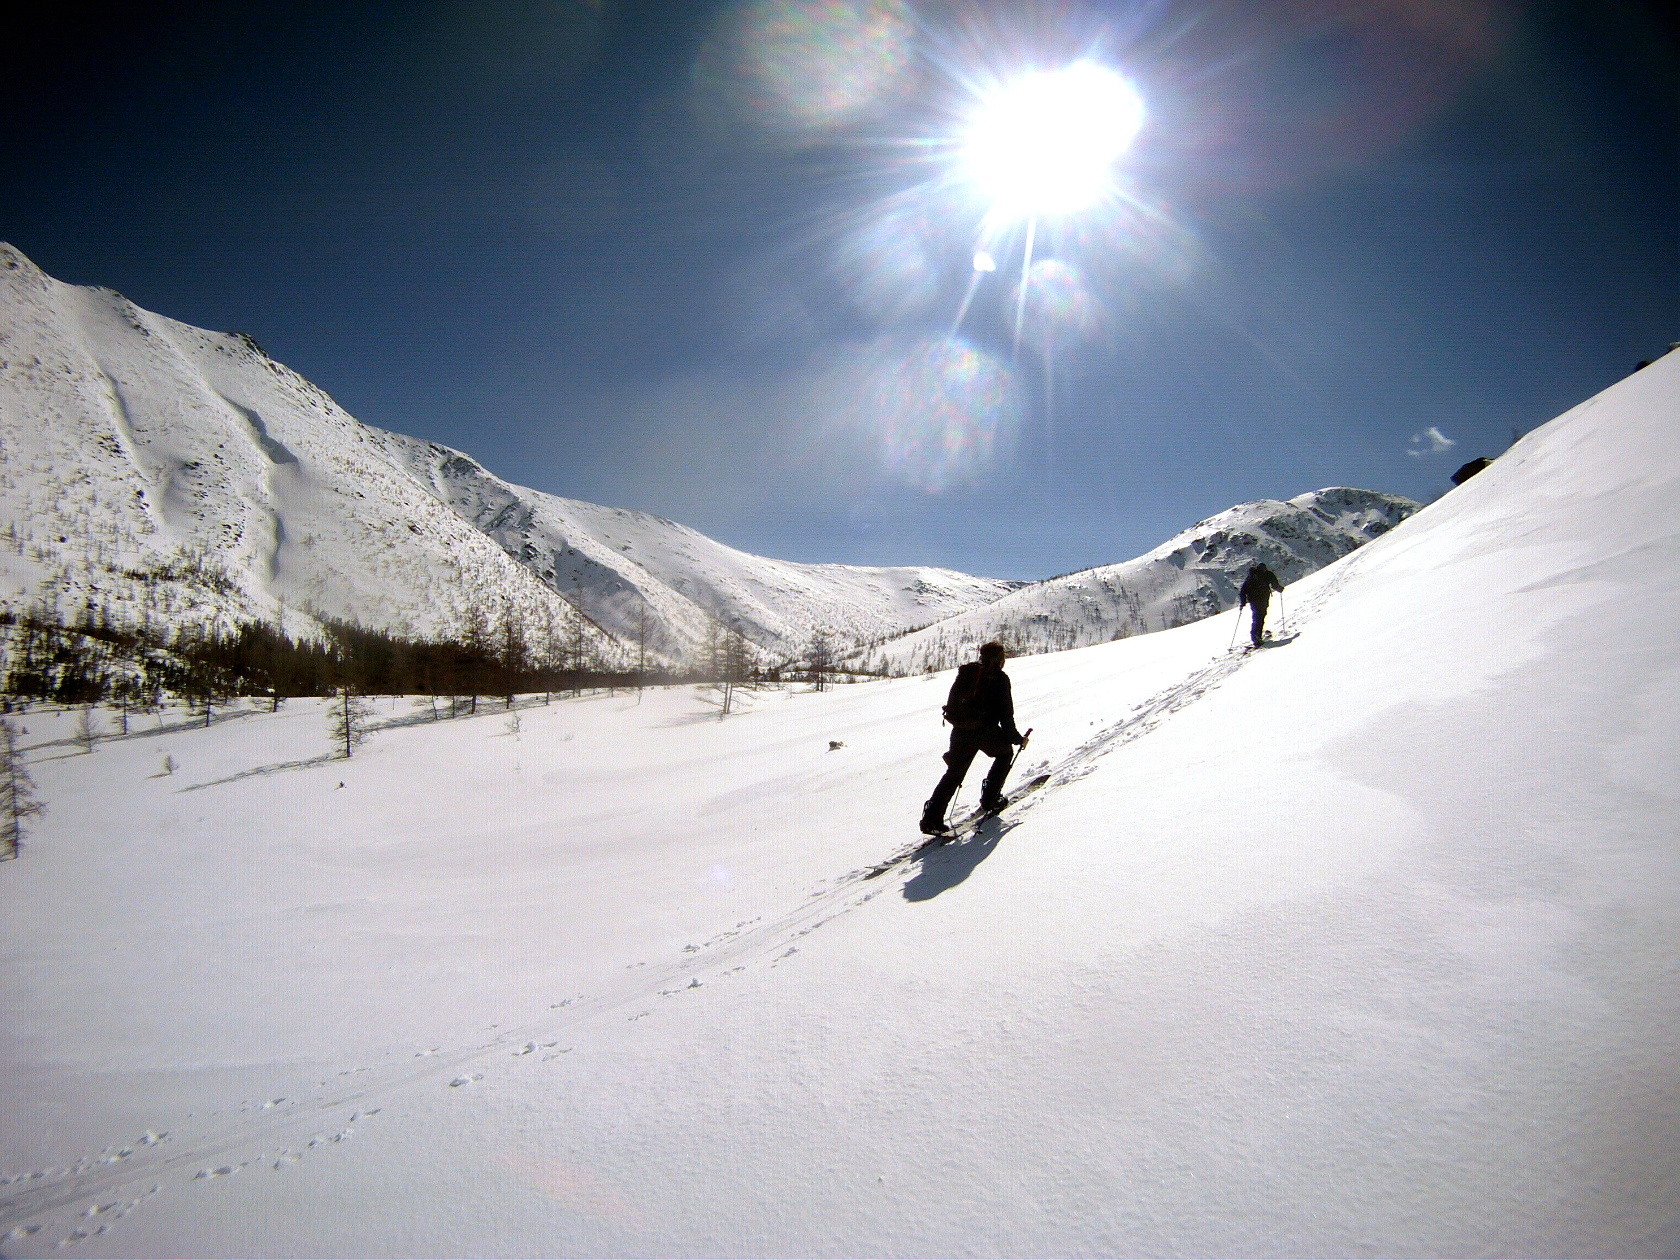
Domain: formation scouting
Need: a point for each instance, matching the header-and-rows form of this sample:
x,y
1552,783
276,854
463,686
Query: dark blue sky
x,y
704,259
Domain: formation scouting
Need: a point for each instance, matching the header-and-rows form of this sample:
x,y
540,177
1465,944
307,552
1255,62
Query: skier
x,y
1256,593
981,711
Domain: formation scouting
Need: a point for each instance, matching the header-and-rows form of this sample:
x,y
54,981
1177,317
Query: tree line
x,y
89,659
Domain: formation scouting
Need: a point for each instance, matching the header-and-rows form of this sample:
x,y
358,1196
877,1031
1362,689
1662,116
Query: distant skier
x,y
1256,593
981,711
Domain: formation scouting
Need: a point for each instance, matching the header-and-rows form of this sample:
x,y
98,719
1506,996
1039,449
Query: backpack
x,y
963,706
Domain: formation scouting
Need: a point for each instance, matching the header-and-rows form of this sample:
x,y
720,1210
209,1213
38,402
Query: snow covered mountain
x,y
166,473
1191,576
170,473
624,561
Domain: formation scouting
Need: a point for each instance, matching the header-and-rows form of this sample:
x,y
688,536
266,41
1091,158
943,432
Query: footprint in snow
x,y
226,1170
465,1080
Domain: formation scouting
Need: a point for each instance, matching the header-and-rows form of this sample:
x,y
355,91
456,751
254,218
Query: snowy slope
x,y
181,474
1362,945
1193,575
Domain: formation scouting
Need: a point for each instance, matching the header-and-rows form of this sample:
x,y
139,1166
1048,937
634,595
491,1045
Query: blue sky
x,y
705,259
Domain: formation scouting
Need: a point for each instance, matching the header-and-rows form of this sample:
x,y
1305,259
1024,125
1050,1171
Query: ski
x,y
964,826
1267,642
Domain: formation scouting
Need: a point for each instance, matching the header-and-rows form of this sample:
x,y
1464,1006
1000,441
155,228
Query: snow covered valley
x,y
1360,945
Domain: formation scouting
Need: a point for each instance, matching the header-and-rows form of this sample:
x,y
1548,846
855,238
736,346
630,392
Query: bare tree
x,y
347,719
17,792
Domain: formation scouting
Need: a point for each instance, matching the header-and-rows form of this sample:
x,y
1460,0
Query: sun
x,y
1045,143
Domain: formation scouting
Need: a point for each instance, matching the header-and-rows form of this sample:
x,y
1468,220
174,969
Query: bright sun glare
x,y
1044,143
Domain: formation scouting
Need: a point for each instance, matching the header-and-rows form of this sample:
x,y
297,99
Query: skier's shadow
x,y
950,864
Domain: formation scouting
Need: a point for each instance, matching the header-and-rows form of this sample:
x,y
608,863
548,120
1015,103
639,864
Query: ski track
x,y
1143,719
271,1134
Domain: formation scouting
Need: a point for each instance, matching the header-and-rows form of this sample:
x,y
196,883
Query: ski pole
x,y
1016,755
1236,628
1283,618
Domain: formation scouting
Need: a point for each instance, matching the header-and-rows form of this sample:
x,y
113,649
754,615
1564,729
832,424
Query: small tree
x,y
347,719
87,729
17,793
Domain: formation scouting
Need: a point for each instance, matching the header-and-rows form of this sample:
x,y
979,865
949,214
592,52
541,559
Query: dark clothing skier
x,y
1256,593
981,711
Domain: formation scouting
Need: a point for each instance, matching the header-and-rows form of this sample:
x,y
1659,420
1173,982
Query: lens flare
x,y
886,270
943,412
797,70
1060,302
1045,143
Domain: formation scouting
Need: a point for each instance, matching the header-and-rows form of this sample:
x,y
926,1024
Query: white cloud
x,y
1430,442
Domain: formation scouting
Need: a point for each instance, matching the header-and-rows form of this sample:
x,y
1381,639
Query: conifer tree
x,y
731,665
87,729
513,650
347,719
819,661
550,652
17,792
476,637
578,643
641,649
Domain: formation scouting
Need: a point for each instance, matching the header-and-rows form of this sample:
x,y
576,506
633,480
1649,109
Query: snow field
x,y
1359,945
